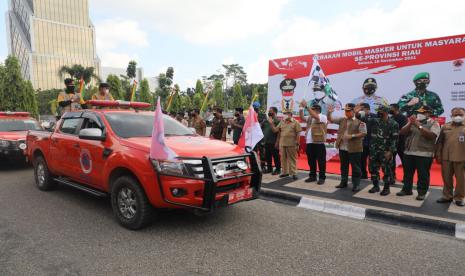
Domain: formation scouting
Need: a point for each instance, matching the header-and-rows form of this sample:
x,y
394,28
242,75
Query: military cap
x,y
240,109
69,81
288,84
349,107
383,108
103,85
370,81
422,75
424,109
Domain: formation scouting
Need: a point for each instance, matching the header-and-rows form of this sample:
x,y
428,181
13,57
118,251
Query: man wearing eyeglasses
x,y
419,97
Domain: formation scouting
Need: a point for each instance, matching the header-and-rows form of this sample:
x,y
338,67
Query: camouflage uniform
x,y
384,137
428,98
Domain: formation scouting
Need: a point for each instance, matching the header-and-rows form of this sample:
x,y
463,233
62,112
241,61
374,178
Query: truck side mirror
x,y
92,134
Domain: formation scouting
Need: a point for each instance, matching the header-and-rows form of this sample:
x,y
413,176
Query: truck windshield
x,y
140,125
18,125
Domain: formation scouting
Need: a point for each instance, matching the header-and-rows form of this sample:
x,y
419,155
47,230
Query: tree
x,y
170,74
198,95
131,70
186,101
144,92
218,95
236,73
116,88
16,94
237,99
78,71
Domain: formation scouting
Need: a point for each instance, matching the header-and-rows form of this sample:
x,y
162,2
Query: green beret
x,y
422,75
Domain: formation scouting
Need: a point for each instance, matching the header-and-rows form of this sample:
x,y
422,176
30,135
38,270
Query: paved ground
x,y
67,232
407,204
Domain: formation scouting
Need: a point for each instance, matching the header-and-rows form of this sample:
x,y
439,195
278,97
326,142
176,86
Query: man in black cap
x,y
68,100
103,93
287,87
237,124
369,88
350,144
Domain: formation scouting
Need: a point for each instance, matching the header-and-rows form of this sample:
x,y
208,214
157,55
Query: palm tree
x,y
77,71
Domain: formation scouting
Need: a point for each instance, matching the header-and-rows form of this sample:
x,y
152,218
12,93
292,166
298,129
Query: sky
x,y
196,37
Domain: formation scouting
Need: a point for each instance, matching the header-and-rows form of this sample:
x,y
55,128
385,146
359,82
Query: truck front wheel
x,y
130,204
44,179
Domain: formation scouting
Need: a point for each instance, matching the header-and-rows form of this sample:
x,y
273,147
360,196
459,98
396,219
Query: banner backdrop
x,y
340,74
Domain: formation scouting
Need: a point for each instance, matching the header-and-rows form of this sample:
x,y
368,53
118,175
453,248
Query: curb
x,y
456,230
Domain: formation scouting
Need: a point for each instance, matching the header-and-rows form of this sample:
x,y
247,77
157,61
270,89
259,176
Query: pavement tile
x,y
268,178
453,208
328,187
391,198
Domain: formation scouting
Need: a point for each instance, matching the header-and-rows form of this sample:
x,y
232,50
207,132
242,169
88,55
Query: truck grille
x,y
196,167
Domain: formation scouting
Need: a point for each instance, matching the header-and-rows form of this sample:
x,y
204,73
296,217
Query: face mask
x,y
319,95
236,115
369,91
270,114
362,114
70,89
457,119
421,117
390,115
421,86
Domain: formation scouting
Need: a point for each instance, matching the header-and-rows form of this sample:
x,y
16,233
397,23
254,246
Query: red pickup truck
x,y
13,130
106,153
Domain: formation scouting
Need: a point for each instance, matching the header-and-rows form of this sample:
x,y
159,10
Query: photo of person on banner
x,y
323,93
419,97
369,88
287,87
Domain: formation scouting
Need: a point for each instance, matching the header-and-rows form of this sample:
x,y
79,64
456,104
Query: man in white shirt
x,y
315,137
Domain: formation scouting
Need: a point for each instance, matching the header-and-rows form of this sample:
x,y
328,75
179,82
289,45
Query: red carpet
x,y
332,166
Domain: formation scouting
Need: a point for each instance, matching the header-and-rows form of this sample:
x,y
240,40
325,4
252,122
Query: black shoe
x,y
404,193
310,179
320,181
276,172
355,189
385,192
341,185
295,177
284,175
460,203
364,176
420,197
443,200
374,189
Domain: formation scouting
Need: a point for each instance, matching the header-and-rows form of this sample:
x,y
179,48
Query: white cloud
x,y
257,71
113,33
412,19
115,59
228,60
203,21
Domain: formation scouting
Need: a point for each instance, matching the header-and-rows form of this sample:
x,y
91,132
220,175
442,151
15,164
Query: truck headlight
x,y
242,165
176,167
220,169
22,146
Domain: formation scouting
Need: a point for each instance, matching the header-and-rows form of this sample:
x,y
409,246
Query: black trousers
x,y
420,164
364,162
316,153
272,153
354,159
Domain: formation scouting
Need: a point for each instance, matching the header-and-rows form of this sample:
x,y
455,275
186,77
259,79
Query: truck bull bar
x,y
210,181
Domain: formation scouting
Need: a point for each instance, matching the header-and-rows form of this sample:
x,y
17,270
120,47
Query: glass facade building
x,y
47,34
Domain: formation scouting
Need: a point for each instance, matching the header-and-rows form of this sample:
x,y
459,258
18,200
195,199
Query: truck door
x,y
93,153
64,145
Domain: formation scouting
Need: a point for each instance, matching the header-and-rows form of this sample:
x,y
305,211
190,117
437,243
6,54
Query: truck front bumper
x,y
211,192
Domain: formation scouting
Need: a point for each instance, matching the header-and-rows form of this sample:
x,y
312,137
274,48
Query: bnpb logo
x,y
86,161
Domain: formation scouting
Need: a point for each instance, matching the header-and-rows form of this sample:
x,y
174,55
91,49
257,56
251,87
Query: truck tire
x,y
43,178
130,204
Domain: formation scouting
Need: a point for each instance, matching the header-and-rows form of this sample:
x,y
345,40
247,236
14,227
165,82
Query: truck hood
x,y
188,146
13,135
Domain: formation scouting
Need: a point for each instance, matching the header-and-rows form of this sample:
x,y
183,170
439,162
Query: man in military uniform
x,y
287,87
198,123
401,120
270,133
103,93
420,133
369,89
350,144
237,124
219,126
419,97
289,142
383,145
68,100
450,152
364,115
